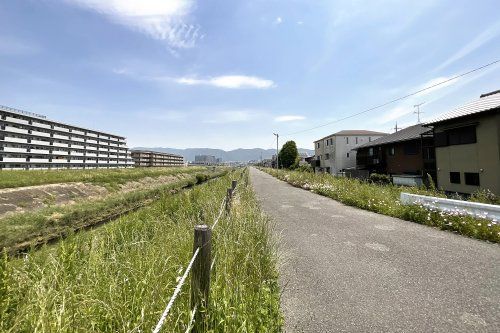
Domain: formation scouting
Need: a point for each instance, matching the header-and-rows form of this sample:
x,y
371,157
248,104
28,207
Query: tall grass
x,y
384,199
118,278
106,177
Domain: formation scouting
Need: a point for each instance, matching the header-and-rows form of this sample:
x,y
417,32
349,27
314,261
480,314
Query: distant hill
x,y
237,155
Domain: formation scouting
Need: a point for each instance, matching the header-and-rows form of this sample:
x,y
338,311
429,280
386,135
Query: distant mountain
x,y
237,155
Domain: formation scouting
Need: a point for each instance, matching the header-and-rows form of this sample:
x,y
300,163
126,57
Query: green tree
x,y
289,155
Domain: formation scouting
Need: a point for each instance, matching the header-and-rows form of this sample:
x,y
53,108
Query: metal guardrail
x,y
26,113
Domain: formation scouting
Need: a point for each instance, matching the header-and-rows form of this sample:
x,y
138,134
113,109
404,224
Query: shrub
x,y
485,196
380,178
304,168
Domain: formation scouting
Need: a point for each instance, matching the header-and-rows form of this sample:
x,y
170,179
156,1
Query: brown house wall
x,y
401,163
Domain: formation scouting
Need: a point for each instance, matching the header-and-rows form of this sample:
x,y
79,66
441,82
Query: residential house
x,y
335,153
467,142
407,155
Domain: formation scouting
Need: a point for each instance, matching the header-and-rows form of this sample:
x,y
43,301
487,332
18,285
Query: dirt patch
x,y
30,198
33,198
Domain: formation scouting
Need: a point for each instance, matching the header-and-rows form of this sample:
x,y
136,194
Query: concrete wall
x,y
482,157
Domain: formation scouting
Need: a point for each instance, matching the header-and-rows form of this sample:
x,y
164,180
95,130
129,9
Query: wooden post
x,y
200,278
229,195
233,184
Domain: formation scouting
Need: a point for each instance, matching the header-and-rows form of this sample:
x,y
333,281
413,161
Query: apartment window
x,y
455,177
327,156
347,140
471,178
347,155
391,151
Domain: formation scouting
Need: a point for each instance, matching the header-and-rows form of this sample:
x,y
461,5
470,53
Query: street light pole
x,y
277,158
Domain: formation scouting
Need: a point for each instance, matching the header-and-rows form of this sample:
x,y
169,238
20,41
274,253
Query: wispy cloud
x,y
278,20
13,46
162,20
235,116
229,81
473,45
408,106
288,118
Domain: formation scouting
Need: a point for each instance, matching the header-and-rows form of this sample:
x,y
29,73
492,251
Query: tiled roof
x,y
353,132
486,103
409,133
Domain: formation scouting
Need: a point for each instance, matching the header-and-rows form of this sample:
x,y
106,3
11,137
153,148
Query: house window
x,y
347,140
327,156
356,141
369,139
317,145
370,151
391,151
471,178
411,148
347,155
456,136
455,177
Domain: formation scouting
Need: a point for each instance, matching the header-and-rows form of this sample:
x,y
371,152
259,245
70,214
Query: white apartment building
x,y
334,153
147,158
30,141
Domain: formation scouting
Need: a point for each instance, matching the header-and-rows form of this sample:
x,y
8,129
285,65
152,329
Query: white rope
x,y
191,321
221,210
213,262
176,292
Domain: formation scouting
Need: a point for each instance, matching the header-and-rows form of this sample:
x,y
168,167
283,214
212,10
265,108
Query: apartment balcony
x,y
92,148
13,129
62,137
77,146
14,159
39,160
92,134
59,152
59,161
16,140
76,153
37,133
40,142
78,139
91,154
61,129
75,131
76,161
113,145
16,120
14,150
91,141
39,151
60,144
36,124
103,150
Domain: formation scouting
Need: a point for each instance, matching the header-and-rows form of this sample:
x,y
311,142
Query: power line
x,y
395,100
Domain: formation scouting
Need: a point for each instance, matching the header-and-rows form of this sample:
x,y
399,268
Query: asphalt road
x,y
346,269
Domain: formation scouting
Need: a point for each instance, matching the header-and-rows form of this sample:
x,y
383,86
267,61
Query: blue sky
x,y
227,74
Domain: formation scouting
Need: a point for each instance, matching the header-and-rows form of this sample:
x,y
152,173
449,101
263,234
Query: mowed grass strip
x,y
109,178
23,230
384,199
119,278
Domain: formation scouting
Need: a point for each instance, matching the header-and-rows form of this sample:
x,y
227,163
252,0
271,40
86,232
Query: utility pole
x,y
396,128
418,112
277,149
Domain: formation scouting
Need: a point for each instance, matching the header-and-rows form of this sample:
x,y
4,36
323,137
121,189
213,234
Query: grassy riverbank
x,y
20,231
109,178
384,199
118,278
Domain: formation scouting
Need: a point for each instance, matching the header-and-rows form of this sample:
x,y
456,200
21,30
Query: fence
x,y
200,266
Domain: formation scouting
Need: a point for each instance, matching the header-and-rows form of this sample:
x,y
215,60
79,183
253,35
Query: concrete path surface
x,y
346,269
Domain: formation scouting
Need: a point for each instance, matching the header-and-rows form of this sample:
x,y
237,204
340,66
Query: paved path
x,y
345,269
